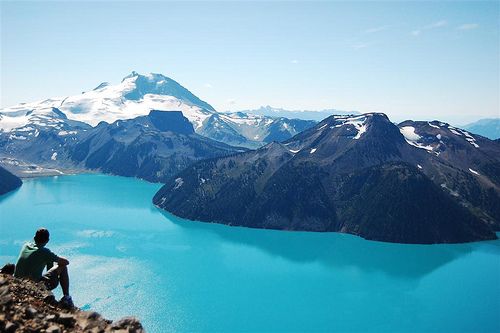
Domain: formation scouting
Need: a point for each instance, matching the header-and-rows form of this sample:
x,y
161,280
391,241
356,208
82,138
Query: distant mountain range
x,y
270,111
136,95
489,128
419,182
153,147
416,182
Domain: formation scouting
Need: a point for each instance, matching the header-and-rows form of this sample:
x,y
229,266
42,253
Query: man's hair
x,y
41,236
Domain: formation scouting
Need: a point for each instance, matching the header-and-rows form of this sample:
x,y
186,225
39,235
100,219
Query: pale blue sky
x,y
419,60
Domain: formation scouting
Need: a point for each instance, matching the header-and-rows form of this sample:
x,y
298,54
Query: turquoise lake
x,y
129,258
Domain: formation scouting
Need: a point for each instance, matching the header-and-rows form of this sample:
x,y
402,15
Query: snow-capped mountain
x,y
136,95
319,115
252,130
152,147
419,182
38,136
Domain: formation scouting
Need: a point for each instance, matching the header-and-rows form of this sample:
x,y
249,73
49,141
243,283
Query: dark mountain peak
x,y
173,121
354,116
275,148
354,126
372,132
156,120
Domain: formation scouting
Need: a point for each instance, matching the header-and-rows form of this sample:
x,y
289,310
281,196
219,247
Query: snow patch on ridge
x,y
409,133
454,131
470,138
63,133
178,183
474,172
358,122
412,138
454,193
460,132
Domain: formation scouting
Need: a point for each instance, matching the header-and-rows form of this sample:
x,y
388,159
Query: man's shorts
x,y
51,278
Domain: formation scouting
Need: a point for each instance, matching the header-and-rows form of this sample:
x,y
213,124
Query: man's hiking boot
x,y
67,302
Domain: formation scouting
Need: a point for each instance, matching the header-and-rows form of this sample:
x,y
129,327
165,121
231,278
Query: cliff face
x,y
26,306
8,181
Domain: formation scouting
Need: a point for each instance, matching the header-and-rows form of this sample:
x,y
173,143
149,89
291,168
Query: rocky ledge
x,y
26,306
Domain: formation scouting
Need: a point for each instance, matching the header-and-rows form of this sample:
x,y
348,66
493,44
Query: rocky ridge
x,y
416,182
26,306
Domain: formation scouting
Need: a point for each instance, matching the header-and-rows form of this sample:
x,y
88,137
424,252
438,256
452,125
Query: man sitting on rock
x,y
34,257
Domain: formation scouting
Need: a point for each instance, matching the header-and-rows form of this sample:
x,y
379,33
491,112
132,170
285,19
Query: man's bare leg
x,y
64,279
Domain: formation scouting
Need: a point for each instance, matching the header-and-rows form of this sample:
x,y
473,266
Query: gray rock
x,y
130,323
4,290
51,317
67,319
30,312
10,327
5,299
53,329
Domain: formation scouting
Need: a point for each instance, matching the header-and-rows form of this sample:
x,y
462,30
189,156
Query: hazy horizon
x,y
409,60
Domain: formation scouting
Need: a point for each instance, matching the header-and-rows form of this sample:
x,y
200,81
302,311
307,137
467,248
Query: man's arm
x,y
62,261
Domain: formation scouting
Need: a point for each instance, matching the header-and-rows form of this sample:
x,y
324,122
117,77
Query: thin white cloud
x,y
208,85
438,24
435,25
468,26
376,29
361,45
294,61
231,101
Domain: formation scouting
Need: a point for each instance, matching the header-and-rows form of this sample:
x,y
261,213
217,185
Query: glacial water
x,y
129,258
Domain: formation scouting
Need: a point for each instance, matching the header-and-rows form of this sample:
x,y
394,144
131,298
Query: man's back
x,y
32,260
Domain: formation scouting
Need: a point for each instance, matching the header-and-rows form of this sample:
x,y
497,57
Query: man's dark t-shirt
x,y
32,260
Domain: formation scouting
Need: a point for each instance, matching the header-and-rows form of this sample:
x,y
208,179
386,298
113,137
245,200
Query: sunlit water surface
x,y
129,258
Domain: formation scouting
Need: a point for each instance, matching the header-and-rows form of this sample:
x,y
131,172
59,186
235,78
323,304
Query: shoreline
x,y
26,170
